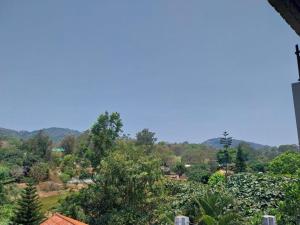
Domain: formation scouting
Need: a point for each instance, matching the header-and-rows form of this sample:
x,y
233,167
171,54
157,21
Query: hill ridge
x,y
215,143
56,134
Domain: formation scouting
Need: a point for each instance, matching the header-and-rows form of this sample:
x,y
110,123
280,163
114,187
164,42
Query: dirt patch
x,y
49,186
44,194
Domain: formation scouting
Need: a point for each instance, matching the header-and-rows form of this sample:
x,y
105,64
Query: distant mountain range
x,y
56,134
215,143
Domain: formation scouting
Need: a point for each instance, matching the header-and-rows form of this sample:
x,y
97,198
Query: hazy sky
x,y
188,70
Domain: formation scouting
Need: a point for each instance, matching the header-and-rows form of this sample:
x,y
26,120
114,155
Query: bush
x,y
216,179
286,163
6,212
198,173
17,172
64,177
179,168
257,192
257,166
68,165
4,172
289,210
39,172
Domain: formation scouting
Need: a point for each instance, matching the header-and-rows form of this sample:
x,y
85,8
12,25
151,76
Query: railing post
x,y
268,220
182,220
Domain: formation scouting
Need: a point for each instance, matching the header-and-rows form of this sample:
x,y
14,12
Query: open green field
x,y
50,202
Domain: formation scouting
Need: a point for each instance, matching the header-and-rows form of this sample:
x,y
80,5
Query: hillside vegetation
x,y
55,134
104,177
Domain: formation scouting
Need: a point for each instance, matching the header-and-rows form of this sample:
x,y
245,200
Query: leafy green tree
x,y
28,211
289,209
4,174
145,137
166,155
287,148
198,154
224,156
178,149
104,134
179,168
258,166
6,206
199,173
16,172
64,177
286,163
6,212
216,179
68,165
11,155
240,161
68,144
39,172
39,145
83,153
127,190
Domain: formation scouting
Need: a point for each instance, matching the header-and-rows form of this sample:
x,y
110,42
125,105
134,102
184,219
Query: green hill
x,y
56,134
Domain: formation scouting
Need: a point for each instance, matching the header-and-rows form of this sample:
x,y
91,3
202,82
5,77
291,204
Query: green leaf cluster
x,y
257,192
286,163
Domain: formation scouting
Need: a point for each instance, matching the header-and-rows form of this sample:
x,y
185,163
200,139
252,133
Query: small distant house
x,y
80,181
58,219
58,149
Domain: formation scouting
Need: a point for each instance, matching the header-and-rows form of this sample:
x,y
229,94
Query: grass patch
x,y
50,202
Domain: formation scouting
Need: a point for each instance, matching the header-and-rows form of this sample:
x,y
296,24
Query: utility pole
x,y
296,95
297,52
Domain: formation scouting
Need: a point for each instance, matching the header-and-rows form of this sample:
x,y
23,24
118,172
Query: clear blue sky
x,y
188,70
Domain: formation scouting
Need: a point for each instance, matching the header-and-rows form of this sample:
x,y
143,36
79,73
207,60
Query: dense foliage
x,y
104,134
286,163
257,192
127,190
128,181
240,161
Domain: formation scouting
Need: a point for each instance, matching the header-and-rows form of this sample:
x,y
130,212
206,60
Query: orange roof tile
x,y
58,219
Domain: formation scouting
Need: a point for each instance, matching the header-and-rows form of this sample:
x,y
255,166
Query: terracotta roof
x,y
58,219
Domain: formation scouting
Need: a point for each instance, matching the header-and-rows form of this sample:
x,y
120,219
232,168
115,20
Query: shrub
x,y
179,168
68,165
216,179
64,177
257,192
286,163
257,166
6,212
16,172
289,210
39,172
4,171
198,173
